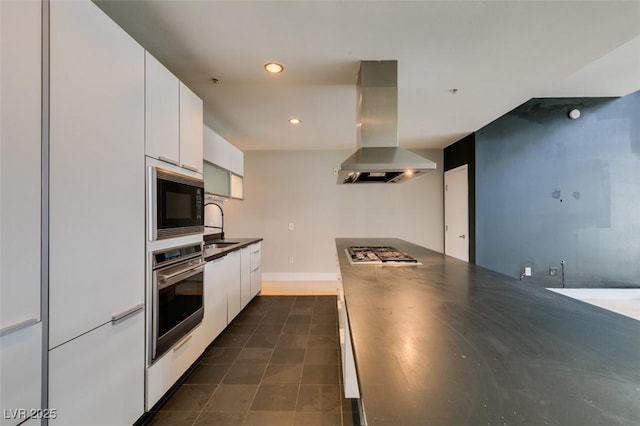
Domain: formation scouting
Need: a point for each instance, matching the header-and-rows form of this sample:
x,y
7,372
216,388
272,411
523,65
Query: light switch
x,y
291,227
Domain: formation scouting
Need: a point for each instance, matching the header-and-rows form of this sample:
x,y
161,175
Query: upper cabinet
x,y
173,118
162,112
191,130
224,164
218,151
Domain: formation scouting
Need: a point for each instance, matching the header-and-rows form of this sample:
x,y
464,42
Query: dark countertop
x,y
238,243
450,343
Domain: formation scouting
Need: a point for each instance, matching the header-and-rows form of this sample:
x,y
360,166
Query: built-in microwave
x,y
175,204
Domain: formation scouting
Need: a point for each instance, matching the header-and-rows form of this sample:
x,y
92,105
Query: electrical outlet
x,y
527,271
553,270
291,226
291,259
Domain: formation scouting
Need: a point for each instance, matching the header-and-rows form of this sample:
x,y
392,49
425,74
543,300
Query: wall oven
x,y
176,204
178,276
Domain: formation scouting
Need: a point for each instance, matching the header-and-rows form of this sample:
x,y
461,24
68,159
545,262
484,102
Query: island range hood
x,y
379,159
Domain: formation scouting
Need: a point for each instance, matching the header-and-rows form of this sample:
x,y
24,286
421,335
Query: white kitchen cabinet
x,y
20,162
174,114
224,166
255,251
222,153
96,266
217,180
232,278
166,370
97,205
20,194
162,112
349,375
215,299
191,130
98,378
21,378
237,186
245,276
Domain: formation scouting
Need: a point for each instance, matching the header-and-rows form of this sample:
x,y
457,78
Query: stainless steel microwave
x,y
175,204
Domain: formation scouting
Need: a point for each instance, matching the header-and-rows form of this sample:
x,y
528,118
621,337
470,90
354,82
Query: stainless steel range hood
x,y
379,159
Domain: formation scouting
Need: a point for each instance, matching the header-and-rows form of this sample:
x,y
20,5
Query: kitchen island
x,y
451,343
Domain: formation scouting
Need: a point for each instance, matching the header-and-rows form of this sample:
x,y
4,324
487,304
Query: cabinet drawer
x,y
167,370
256,255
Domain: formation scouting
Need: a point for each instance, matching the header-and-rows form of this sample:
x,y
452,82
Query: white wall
x,y
300,187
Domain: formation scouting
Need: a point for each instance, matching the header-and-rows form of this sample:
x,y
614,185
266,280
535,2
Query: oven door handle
x,y
170,279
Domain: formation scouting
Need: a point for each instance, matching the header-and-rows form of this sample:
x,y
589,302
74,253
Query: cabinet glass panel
x,y
216,180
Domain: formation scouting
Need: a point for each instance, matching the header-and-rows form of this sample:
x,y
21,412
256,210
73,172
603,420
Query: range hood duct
x,y
379,159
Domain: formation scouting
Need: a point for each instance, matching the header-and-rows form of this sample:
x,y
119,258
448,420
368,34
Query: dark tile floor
x,y
277,363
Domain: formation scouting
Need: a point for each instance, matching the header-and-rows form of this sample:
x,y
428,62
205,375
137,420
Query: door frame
x,y
466,168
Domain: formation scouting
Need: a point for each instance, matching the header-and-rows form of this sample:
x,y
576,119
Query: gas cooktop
x,y
378,255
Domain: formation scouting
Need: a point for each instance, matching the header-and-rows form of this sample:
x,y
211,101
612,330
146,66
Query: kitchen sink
x,y
220,244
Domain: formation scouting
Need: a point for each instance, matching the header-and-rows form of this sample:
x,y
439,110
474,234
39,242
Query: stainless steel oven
x,y
178,305
175,204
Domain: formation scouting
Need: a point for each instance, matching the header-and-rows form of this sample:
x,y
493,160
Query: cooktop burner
x,y
378,255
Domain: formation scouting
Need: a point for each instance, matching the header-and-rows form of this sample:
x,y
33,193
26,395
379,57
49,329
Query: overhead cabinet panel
x,y
162,112
191,130
97,176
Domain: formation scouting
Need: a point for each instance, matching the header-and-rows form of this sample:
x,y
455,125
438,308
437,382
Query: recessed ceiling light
x,y
273,67
295,121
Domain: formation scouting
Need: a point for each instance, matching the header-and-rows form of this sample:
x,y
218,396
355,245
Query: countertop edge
x,y
242,242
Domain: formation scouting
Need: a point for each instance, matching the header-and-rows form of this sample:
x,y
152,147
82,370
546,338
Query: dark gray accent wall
x,y
456,155
549,188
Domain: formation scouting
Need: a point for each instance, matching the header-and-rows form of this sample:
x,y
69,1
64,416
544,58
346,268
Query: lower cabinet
x,y
166,370
255,266
349,374
98,378
232,277
245,276
215,300
21,370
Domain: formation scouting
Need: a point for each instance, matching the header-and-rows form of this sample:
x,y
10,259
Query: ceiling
x,y
497,54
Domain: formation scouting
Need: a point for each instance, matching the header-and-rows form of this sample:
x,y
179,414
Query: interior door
x,y
456,213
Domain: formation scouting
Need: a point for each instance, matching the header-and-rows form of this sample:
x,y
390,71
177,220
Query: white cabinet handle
x,y
182,342
169,160
188,167
126,314
17,326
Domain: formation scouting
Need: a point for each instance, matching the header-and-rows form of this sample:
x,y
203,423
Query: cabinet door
x,y
215,299
237,188
245,276
20,176
98,378
256,270
21,367
162,113
96,170
191,130
232,272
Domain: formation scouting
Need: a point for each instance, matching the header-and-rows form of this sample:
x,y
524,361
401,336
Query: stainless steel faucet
x,y
221,227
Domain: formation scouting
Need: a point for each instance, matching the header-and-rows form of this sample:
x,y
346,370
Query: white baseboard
x,y
299,276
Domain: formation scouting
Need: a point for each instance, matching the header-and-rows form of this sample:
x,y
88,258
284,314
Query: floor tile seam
x,y
263,373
